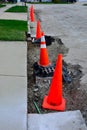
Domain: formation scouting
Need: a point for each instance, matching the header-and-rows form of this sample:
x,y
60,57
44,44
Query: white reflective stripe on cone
x,y
43,46
42,39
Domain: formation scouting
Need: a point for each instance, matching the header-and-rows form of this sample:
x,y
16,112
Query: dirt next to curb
x,y
76,98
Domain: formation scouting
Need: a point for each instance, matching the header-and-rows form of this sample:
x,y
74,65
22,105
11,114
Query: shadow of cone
x,y
44,59
54,100
38,30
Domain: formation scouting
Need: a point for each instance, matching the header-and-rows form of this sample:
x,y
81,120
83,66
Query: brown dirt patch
x,y
76,97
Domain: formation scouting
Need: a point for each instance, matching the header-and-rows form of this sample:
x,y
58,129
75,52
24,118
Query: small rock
x,y
36,95
40,86
35,90
36,86
45,81
78,88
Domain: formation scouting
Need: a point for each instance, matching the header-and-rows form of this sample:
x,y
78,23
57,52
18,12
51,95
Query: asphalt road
x,y
69,22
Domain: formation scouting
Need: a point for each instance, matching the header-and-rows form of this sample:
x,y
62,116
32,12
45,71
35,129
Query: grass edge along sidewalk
x,y
17,9
2,5
12,30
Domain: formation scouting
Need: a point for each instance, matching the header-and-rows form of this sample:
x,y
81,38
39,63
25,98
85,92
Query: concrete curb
x,y
71,120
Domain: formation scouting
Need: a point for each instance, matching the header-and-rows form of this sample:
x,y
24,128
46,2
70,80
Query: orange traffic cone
x,y
44,60
32,19
38,30
54,100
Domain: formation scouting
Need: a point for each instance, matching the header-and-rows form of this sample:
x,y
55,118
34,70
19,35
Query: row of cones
x,y
32,19
54,100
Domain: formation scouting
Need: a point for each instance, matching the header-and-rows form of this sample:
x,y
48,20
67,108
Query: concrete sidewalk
x,y
71,120
13,79
13,59
14,16
6,7
13,86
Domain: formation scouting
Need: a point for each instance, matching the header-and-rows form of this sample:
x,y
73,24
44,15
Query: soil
x,y
72,92
76,97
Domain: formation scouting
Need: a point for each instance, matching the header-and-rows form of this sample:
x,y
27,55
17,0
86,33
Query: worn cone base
x,y
60,107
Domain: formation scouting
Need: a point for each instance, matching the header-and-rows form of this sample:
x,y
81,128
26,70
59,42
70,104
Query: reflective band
x,y
42,39
43,46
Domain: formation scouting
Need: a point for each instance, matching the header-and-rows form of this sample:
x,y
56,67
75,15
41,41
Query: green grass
x,y
84,4
12,30
1,5
17,9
